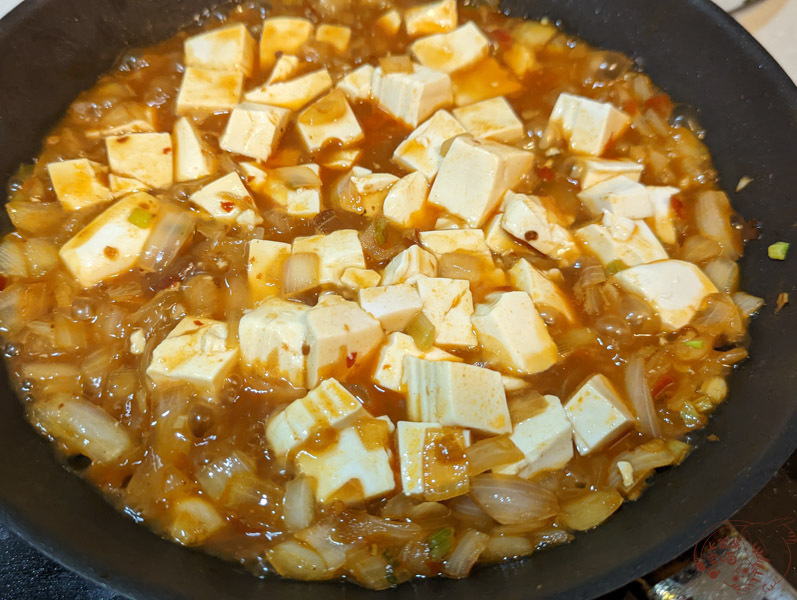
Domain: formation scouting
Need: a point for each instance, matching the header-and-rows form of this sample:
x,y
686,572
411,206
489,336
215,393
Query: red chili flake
x,y
677,207
167,150
546,173
631,107
122,139
351,359
503,37
661,103
198,323
3,282
662,383
227,206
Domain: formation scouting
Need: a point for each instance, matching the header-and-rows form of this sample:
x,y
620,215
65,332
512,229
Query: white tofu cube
x,y
146,157
421,150
597,415
411,97
328,119
296,189
389,22
336,252
264,268
341,337
229,48
122,186
486,79
79,183
435,17
528,219
292,94
394,306
389,370
453,51
337,36
596,170
513,335
254,130
498,240
409,265
405,202
286,67
609,245
545,439
663,213
544,292
620,196
192,156
370,191
514,384
282,35
411,441
474,176
111,243
197,352
356,278
587,125
459,241
491,119
674,289
209,91
227,200
448,304
456,394
357,84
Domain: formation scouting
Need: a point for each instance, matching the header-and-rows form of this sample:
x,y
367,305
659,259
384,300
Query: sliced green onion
x,y
615,267
440,543
778,250
422,331
141,218
381,231
694,343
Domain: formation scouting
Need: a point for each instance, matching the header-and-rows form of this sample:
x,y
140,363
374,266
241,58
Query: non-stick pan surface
x,y
50,50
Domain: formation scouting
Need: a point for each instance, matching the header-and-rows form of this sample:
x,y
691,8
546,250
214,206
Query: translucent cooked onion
x,y
298,504
643,459
41,256
699,249
370,570
748,305
298,177
35,217
293,559
491,452
506,547
194,521
395,64
720,316
466,553
319,538
590,510
724,274
171,230
637,387
383,530
511,500
12,258
214,476
466,510
713,219
300,273
459,265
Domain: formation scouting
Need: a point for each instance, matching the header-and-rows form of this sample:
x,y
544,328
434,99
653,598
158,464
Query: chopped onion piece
x,y
505,547
292,559
590,510
214,476
724,274
169,233
713,219
194,521
395,64
300,273
370,570
465,555
298,505
491,452
637,387
749,305
510,500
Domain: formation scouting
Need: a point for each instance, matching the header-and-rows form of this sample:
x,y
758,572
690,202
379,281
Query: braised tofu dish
x,y
371,291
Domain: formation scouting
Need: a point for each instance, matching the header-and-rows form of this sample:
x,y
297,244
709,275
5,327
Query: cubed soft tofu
x,y
295,189
337,36
456,394
370,189
528,219
227,200
405,202
341,337
330,405
336,252
357,467
513,335
474,176
619,195
389,369
545,439
498,240
272,338
638,247
394,306
294,93
229,48
453,51
409,265
544,292
411,97
264,268
459,241
448,304
340,159
421,150
146,157
328,119
197,352
596,170
111,243
587,125
79,183
486,79
675,289
411,441
491,119
356,278
254,130
435,17
285,68
192,156
122,186
597,415
389,23
282,35
209,91
663,212
357,84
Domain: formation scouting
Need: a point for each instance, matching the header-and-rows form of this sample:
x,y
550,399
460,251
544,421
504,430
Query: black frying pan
x,y
50,50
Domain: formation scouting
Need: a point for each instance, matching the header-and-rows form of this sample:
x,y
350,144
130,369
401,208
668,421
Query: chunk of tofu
x,y
435,17
411,97
341,337
336,252
285,68
638,247
587,125
296,189
448,304
122,186
337,36
456,394
545,439
110,244
409,265
282,35
330,405
328,119
197,352
597,415
356,278
663,212
421,150
264,268
405,202
544,292
79,183
491,119
513,335
370,191
394,306
453,51
227,200
192,156
293,94
357,84
596,170
486,79
528,219
459,241
619,195
229,48
209,91
389,370
146,157
675,289
411,441
389,23
254,130
498,240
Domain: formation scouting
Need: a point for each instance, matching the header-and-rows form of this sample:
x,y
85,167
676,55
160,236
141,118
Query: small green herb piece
x,y
694,343
615,267
381,231
390,577
778,250
141,218
422,331
440,543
